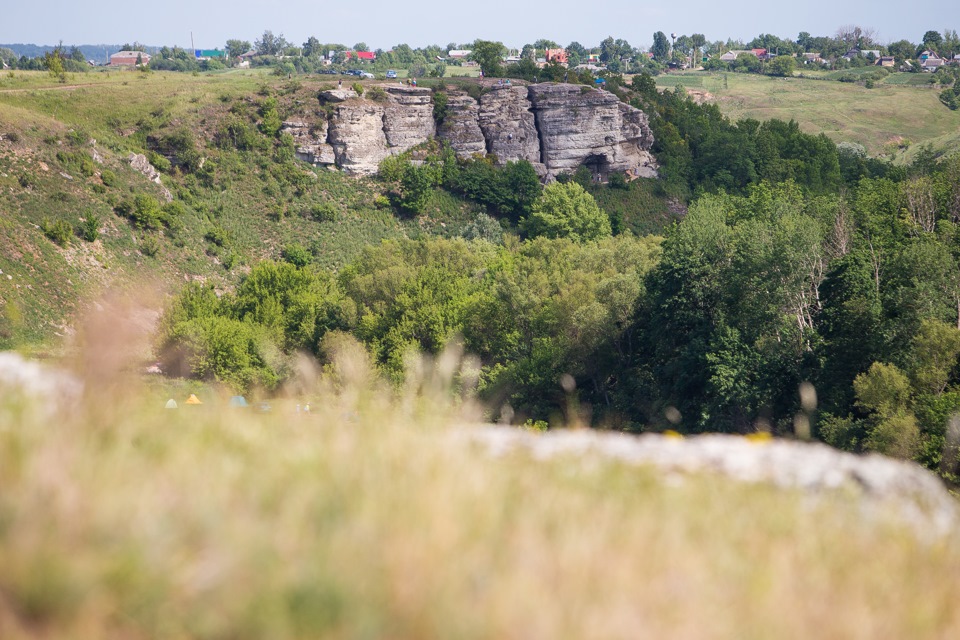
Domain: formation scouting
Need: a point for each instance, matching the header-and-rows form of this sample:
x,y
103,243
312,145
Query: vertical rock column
x,y
460,126
508,126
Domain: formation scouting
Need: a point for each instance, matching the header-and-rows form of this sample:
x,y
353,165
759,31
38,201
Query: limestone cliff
x,y
556,127
509,127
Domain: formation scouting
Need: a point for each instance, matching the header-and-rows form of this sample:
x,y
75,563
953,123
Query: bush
x,y
377,94
324,212
149,245
159,162
77,137
238,134
76,162
439,106
217,235
59,232
90,228
296,254
270,122
109,178
358,88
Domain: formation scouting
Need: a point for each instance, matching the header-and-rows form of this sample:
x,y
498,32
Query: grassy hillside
x,y
371,517
893,117
242,207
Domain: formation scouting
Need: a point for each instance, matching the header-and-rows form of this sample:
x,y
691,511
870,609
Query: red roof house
x,y
362,56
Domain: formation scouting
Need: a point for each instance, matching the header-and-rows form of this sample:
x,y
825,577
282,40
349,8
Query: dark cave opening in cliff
x,y
599,166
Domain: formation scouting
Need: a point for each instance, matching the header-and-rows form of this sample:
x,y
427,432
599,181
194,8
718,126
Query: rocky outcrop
x,y
581,125
408,117
308,142
508,125
460,126
556,127
142,165
356,134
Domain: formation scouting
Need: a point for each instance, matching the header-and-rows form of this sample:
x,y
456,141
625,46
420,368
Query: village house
x,y
930,61
556,55
887,61
811,58
129,58
362,56
459,54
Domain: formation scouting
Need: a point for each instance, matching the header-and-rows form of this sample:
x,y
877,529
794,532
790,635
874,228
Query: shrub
x,y
159,162
618,181
358,88
12,136
270,122
230,260
296,254
377,94
59,232
238,134
90,228
76,162
324,212
149,245
217,235
77,137
109,178
439,106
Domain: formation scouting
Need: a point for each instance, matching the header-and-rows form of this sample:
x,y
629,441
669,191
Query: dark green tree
x,y
236,48
661,47
489,55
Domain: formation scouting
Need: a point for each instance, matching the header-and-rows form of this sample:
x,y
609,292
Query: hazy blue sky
x,y
383,23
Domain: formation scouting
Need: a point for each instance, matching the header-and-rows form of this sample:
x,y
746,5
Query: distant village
x,y
849,47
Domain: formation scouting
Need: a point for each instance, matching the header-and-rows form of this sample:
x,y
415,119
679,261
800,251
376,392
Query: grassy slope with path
x,y
844,111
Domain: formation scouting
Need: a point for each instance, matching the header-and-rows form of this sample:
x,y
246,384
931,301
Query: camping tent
x,y
238,401
171,404
193,399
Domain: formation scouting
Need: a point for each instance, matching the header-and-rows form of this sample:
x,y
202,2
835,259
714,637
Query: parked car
x,y
364,74
391,73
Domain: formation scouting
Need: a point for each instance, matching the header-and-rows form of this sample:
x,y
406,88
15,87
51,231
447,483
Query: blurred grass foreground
x,y
371,518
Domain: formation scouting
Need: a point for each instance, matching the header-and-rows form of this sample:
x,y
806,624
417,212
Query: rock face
x,y
461,126
408,118
580,125
356,134
508,125
307,142
556,127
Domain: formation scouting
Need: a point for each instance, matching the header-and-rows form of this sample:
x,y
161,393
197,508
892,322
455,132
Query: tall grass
x,y
368,517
